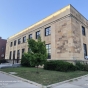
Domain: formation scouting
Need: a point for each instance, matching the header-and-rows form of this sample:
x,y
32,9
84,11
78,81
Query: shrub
x,y
50,65
59,66
86,67
80,66
65,66
25,61
3,61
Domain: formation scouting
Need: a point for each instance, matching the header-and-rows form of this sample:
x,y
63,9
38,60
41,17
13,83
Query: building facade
x,y
2,48
64,32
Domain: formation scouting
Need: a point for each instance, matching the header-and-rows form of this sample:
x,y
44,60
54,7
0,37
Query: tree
x,y
37,53
25,60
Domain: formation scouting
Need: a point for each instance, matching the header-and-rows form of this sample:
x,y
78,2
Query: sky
x,y
16,15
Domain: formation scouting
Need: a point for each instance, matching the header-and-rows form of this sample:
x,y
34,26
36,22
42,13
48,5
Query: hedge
x,y
58,65
81,66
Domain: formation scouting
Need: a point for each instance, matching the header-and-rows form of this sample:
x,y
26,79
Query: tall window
x,y
14,54
18,54
23,50
15,43
11,44
10,55
48,47
85,50
30,36
83,30
47,31
19,41
24,39
37,34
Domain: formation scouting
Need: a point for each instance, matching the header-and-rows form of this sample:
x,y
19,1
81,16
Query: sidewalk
x,y
80,82
6,65
7,81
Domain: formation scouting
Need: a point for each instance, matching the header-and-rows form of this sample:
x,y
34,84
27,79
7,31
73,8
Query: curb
x,y
56,84
22,79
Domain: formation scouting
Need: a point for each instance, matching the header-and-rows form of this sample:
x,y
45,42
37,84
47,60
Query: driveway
x,y
7,81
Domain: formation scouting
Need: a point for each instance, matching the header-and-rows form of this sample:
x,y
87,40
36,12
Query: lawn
x,y
45,77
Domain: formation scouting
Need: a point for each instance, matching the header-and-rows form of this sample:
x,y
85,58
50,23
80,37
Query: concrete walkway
x,y
6,65
7,81
81,82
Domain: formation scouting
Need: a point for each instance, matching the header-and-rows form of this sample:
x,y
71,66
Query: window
x,y
14,54
30,36
19,41
48,47
10,55
47,31
24,39
2,49
11,44
23,50
85,50
18,54
37,34
15,43
83,30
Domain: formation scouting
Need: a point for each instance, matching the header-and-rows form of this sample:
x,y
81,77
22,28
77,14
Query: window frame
x,y
83,31
14,42
11,44
19,41
10,55
49,50
30,36
23,51
37,35
14,53
24,39
85,49
48,31
18,54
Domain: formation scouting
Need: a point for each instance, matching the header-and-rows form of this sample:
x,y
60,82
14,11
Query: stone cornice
x,y
50,23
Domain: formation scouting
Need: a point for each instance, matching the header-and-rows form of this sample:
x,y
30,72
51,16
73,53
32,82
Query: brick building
x,y
65,33
2,48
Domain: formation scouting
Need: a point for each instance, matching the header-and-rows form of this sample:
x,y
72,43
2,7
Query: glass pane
x,y
49,46
47,30
46,46
47,33
49,50
49,56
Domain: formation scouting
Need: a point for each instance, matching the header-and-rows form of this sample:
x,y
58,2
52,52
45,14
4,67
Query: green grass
x,y
44,77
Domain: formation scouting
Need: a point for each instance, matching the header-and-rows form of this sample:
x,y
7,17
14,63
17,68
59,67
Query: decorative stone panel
x,y
62,34
76,36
